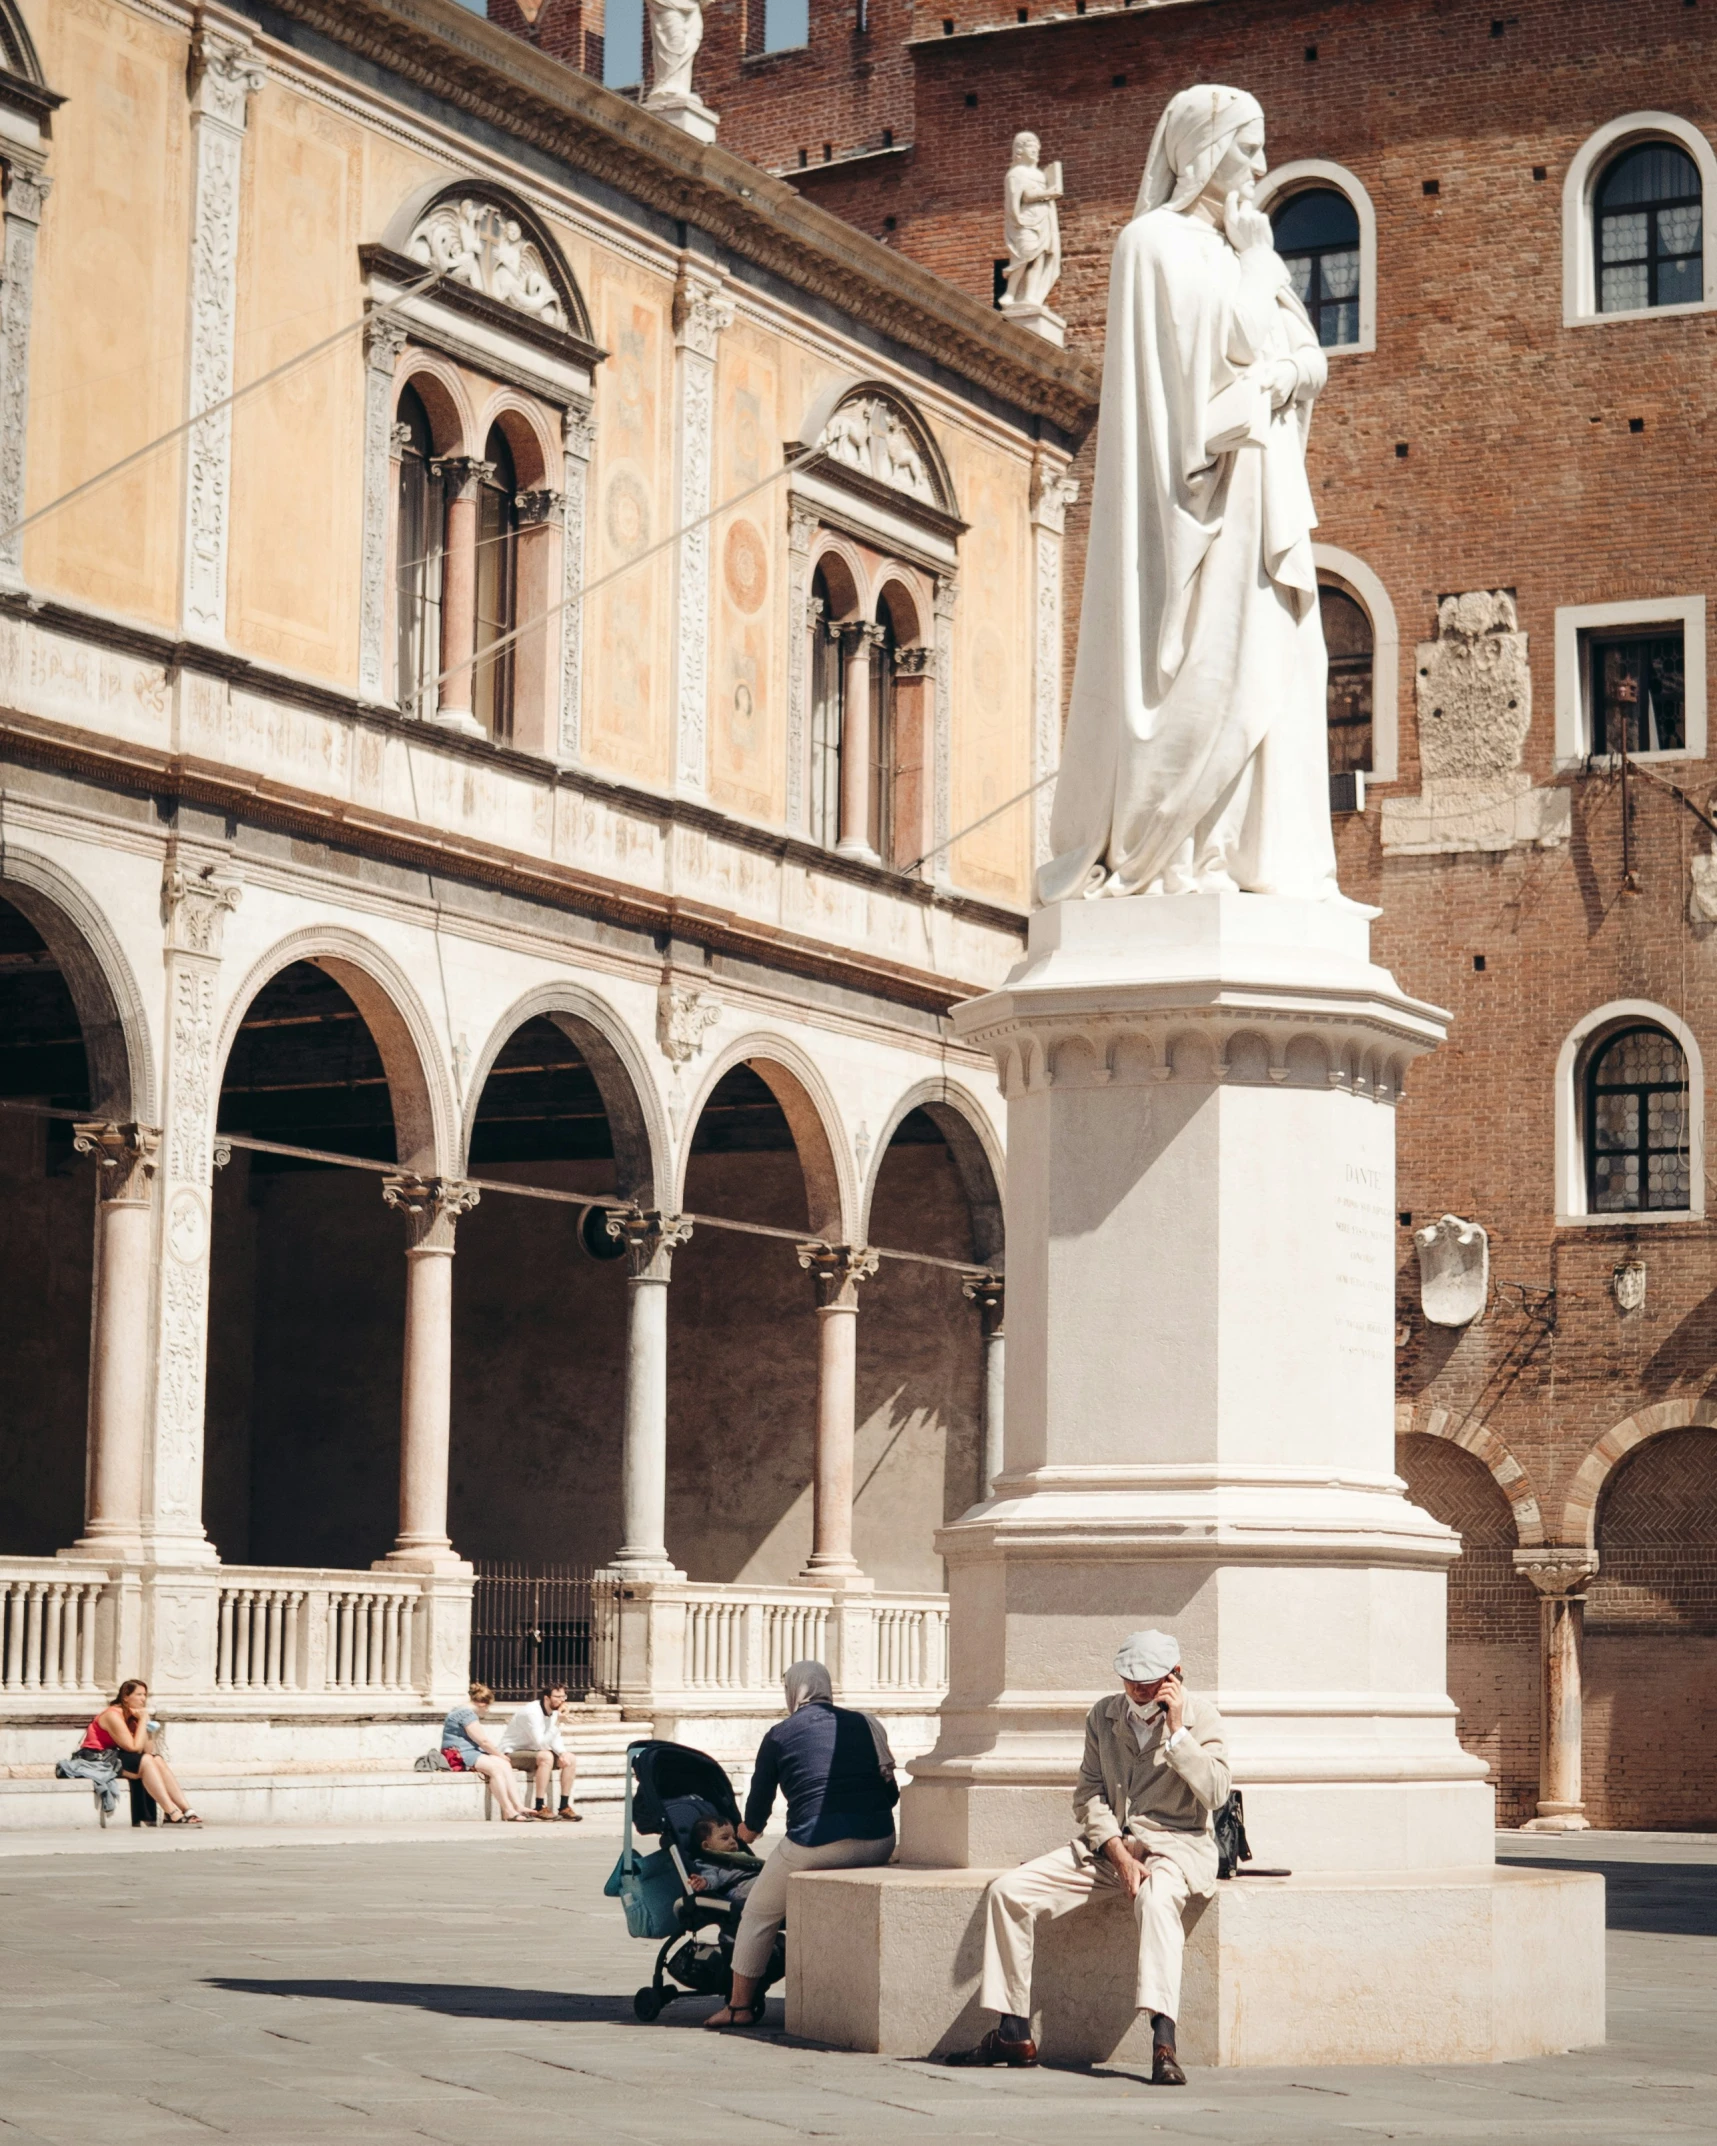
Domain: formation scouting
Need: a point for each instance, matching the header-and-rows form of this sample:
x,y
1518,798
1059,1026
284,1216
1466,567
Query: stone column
x,y
460,477
839,1268
433,1206
651,1240
384,340
1052,493
26,192
578,432
913,819
856,744
988,1292
1561,1576
125,1157
198,894
225,74
700,315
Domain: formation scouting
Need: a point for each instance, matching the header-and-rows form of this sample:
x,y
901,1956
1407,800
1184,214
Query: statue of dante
x,y
1195,758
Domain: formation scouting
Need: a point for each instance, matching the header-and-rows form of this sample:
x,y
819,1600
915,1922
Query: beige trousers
x,y
1056,1884
766,1904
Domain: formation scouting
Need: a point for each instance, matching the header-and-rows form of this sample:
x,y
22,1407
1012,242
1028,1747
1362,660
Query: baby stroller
x,y
669,1787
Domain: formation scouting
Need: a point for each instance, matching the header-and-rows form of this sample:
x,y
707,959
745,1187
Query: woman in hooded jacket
x,y
837,1773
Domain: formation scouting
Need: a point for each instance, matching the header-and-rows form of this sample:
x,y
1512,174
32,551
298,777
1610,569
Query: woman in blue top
x,y
837,1773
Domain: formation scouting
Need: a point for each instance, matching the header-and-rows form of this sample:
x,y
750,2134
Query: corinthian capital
x,y
432,1204
700,312
838,1268
124,1154
1557,1570
225,72
651,1239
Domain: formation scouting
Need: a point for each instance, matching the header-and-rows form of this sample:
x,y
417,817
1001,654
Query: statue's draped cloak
x,y
1196,753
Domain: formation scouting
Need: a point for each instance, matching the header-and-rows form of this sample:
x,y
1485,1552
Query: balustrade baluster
x,y
13,1607
33,1636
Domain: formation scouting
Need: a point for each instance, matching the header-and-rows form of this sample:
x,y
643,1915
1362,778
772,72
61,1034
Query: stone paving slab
x,y
313,1992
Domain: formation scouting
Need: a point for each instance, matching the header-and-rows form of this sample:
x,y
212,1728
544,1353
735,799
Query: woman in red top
x,y
124,1727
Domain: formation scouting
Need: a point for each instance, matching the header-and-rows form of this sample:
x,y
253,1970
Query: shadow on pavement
x,y
459,2000
1667,1899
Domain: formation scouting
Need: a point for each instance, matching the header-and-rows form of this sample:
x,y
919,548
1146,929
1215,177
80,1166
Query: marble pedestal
x,y
1202,1244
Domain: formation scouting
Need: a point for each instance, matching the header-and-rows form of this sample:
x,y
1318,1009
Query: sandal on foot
x,y
742,2016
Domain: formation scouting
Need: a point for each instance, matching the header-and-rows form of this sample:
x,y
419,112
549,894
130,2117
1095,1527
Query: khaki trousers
x,y
765,1906
1056,1884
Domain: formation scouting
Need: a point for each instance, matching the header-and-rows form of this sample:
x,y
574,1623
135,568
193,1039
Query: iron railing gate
x,y
534,1627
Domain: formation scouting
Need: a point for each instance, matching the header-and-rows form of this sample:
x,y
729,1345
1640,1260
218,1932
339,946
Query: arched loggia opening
x,y
541,1304
307,1274
929,1346
743,1355
46,1247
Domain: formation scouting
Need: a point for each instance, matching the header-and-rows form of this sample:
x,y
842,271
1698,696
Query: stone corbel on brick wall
x,y
1473,691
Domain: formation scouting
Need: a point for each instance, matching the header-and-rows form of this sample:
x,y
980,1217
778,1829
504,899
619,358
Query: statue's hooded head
x,y
1192,138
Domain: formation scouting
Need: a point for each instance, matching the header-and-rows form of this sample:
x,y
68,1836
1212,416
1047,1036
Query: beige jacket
x,y
1159,1796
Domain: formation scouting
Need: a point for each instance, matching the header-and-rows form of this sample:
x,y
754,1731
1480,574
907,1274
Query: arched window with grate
x,y
497,588
1352,653
1317,235
1636,1113
1648,230
419,542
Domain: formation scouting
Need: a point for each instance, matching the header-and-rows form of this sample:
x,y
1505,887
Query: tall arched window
x,y
826,681
1317,235
1347,636
497,588
1637,1146
1647,225
884,646
420,539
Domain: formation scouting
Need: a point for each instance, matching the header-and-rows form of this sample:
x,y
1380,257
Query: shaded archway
x,y
1494,1660
743,1334
559,1100
1651,1637
47,1059
307,1273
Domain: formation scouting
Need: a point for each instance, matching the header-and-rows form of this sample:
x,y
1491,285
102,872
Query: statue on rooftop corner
x,y
1031,225
676,32
1195,758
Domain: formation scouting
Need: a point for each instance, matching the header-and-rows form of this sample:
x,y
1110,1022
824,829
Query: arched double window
x,y
1317,235
1647,225
1638,1149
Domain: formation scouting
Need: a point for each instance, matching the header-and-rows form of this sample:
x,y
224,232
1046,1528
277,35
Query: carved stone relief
x,y
869,435
1052,493
942,601
482,246
683,1018
578,437
700,315
224,75
1454,1271
801,529
1474,701
384,340
26,191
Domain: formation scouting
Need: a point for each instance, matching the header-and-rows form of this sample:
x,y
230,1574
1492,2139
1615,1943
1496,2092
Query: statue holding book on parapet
x,y
1031,224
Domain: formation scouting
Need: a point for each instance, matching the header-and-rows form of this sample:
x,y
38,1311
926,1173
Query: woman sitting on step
x,y
123,1727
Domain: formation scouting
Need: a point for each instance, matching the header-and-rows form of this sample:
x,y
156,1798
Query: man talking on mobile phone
x,y
1155,1771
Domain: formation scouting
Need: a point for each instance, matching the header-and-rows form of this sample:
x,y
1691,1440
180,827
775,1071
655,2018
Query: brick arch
x,y
1580,1514
1484,1445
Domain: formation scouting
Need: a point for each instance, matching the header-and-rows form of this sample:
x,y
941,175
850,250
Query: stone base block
x,y
261,1799
1464,1967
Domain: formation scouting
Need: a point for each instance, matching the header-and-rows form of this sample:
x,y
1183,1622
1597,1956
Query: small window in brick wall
x,y
1636,691
1647,227
1317,235
1637,1156
786,24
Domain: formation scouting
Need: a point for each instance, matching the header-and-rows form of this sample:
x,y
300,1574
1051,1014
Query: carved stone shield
x,y
1628,1281
1454,1271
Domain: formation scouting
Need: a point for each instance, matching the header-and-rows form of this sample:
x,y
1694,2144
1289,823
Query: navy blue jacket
x,y
824,1759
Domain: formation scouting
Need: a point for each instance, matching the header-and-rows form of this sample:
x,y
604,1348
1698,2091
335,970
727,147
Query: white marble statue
x,y
1031,225
676,32
1195,757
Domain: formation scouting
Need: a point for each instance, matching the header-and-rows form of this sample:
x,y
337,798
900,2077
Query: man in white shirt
x,y
1155,1771
534,1745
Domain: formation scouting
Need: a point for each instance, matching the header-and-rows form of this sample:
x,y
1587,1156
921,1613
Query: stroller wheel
x,y
648,2004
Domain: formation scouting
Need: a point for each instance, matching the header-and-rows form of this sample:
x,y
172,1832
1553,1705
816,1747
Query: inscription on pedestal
x,y
1364,1242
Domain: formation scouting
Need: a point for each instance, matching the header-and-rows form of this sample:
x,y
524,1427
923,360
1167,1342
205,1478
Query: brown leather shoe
x,y
993,2050
1165,2070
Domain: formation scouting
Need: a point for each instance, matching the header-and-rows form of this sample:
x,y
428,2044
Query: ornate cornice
x,y
443,51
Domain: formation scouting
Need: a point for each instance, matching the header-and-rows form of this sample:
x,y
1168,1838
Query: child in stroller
x,y
676,1792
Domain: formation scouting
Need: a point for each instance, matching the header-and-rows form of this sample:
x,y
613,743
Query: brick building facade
x,y
1520,401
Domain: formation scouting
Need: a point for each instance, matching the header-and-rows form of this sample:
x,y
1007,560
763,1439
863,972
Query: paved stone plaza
x,y
480,1989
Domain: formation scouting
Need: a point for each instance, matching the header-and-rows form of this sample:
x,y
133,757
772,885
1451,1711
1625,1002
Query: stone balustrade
x,y
49,1628
324,1632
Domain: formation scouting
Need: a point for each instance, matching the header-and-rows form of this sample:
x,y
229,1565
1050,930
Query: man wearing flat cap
x,y
1155,1771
